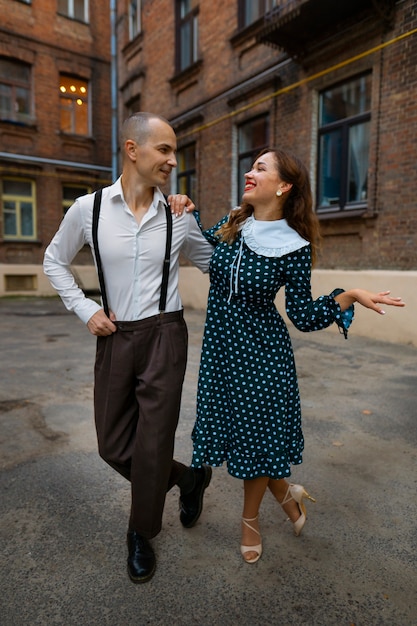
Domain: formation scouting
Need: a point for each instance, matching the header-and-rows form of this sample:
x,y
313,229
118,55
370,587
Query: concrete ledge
x,y
397,326
86,276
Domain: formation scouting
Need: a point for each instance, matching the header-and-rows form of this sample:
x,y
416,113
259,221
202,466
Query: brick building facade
x,y
335,82
55,125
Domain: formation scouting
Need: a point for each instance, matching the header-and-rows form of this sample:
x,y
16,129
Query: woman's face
x,y
262,182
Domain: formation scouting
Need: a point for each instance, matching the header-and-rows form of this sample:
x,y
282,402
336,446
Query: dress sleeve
x,y
305,313
210,233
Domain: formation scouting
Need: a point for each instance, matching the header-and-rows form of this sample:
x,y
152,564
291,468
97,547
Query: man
x,y
141,352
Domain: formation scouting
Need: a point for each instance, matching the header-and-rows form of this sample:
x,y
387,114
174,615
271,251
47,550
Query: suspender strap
x,y
96,213
165,269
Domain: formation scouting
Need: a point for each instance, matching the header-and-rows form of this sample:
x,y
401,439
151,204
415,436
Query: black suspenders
x,y
165,268
96,213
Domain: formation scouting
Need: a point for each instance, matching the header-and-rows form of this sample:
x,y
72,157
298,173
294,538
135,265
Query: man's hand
x,y
180,203
100,325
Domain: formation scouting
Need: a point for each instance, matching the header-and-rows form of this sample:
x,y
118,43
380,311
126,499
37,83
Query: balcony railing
x,y
294,24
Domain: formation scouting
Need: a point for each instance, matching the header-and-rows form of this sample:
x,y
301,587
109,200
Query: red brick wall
x,y
53,44
386,236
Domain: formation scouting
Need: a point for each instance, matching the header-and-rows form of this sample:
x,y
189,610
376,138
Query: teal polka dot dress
x,y
248,405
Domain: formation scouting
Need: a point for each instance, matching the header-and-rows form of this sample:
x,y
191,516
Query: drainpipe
x,y
113,86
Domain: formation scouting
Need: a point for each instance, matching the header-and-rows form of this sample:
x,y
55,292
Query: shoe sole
x,y
207,478
141,579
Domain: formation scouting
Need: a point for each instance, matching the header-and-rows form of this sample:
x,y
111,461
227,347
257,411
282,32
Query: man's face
x,y
155,159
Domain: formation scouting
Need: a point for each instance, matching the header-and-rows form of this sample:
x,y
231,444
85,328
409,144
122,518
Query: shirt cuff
x,y
343,318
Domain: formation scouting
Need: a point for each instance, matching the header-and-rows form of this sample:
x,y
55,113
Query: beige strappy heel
x,y
297,493
257,548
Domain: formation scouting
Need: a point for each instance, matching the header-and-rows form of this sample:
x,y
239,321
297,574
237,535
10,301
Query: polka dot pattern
x,y
248,405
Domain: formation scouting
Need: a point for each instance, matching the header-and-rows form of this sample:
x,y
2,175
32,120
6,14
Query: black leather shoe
x,y
191,504
141,563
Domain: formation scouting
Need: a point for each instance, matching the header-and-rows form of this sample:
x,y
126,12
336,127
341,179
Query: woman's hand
x,y
368,299
179,202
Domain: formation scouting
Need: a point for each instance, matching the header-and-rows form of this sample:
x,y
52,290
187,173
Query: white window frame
x,y
135,18
70,10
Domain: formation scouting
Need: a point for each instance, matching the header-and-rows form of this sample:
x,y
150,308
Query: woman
x,y
248,407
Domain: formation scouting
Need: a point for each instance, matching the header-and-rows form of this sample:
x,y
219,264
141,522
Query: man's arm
x,y
59,255
196,247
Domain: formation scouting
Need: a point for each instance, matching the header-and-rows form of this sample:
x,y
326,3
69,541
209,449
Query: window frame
x,y
263,6
70,10
68,202
72,98
343,126
18,199
181,23
133,105
135,19
14,84
189,173
251,153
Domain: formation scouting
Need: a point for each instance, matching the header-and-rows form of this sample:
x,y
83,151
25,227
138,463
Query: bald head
x,y
137,127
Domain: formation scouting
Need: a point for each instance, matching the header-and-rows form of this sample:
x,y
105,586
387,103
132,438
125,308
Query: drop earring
x,y
279,192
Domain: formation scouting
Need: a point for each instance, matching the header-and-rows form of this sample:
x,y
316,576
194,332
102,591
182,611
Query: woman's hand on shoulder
x,y
179,203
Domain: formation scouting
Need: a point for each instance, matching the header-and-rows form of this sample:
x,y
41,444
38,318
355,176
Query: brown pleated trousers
x,y
139,373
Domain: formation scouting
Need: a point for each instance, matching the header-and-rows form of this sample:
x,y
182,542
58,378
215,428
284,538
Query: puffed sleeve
x,y
305,313
210,233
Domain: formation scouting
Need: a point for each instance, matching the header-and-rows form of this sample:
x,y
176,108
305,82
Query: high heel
x,y
257,549
297,493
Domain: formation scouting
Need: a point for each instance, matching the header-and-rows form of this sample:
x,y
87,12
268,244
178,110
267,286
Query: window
x,y
135,18
186,171
15,91
252,10
133,106
18,200
70,193
343,151
187,34
253,136
76,9
74,105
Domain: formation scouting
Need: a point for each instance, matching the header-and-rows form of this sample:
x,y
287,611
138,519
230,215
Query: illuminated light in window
x,y
73,88
83,90
63,89
79,101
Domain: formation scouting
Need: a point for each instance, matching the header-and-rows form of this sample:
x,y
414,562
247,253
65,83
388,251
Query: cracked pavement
x,y
63,512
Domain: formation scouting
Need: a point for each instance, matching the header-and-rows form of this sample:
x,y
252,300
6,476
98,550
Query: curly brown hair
x,y
298,207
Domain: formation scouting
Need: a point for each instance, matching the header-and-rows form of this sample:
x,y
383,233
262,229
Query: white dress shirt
x,y
132,255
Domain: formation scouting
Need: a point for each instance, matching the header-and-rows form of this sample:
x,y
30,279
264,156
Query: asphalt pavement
x,y
63,511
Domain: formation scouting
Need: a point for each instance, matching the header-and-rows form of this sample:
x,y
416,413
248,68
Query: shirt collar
x,y
116,190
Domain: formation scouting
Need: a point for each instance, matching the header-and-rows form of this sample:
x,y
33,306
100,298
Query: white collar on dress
x,y
271,239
